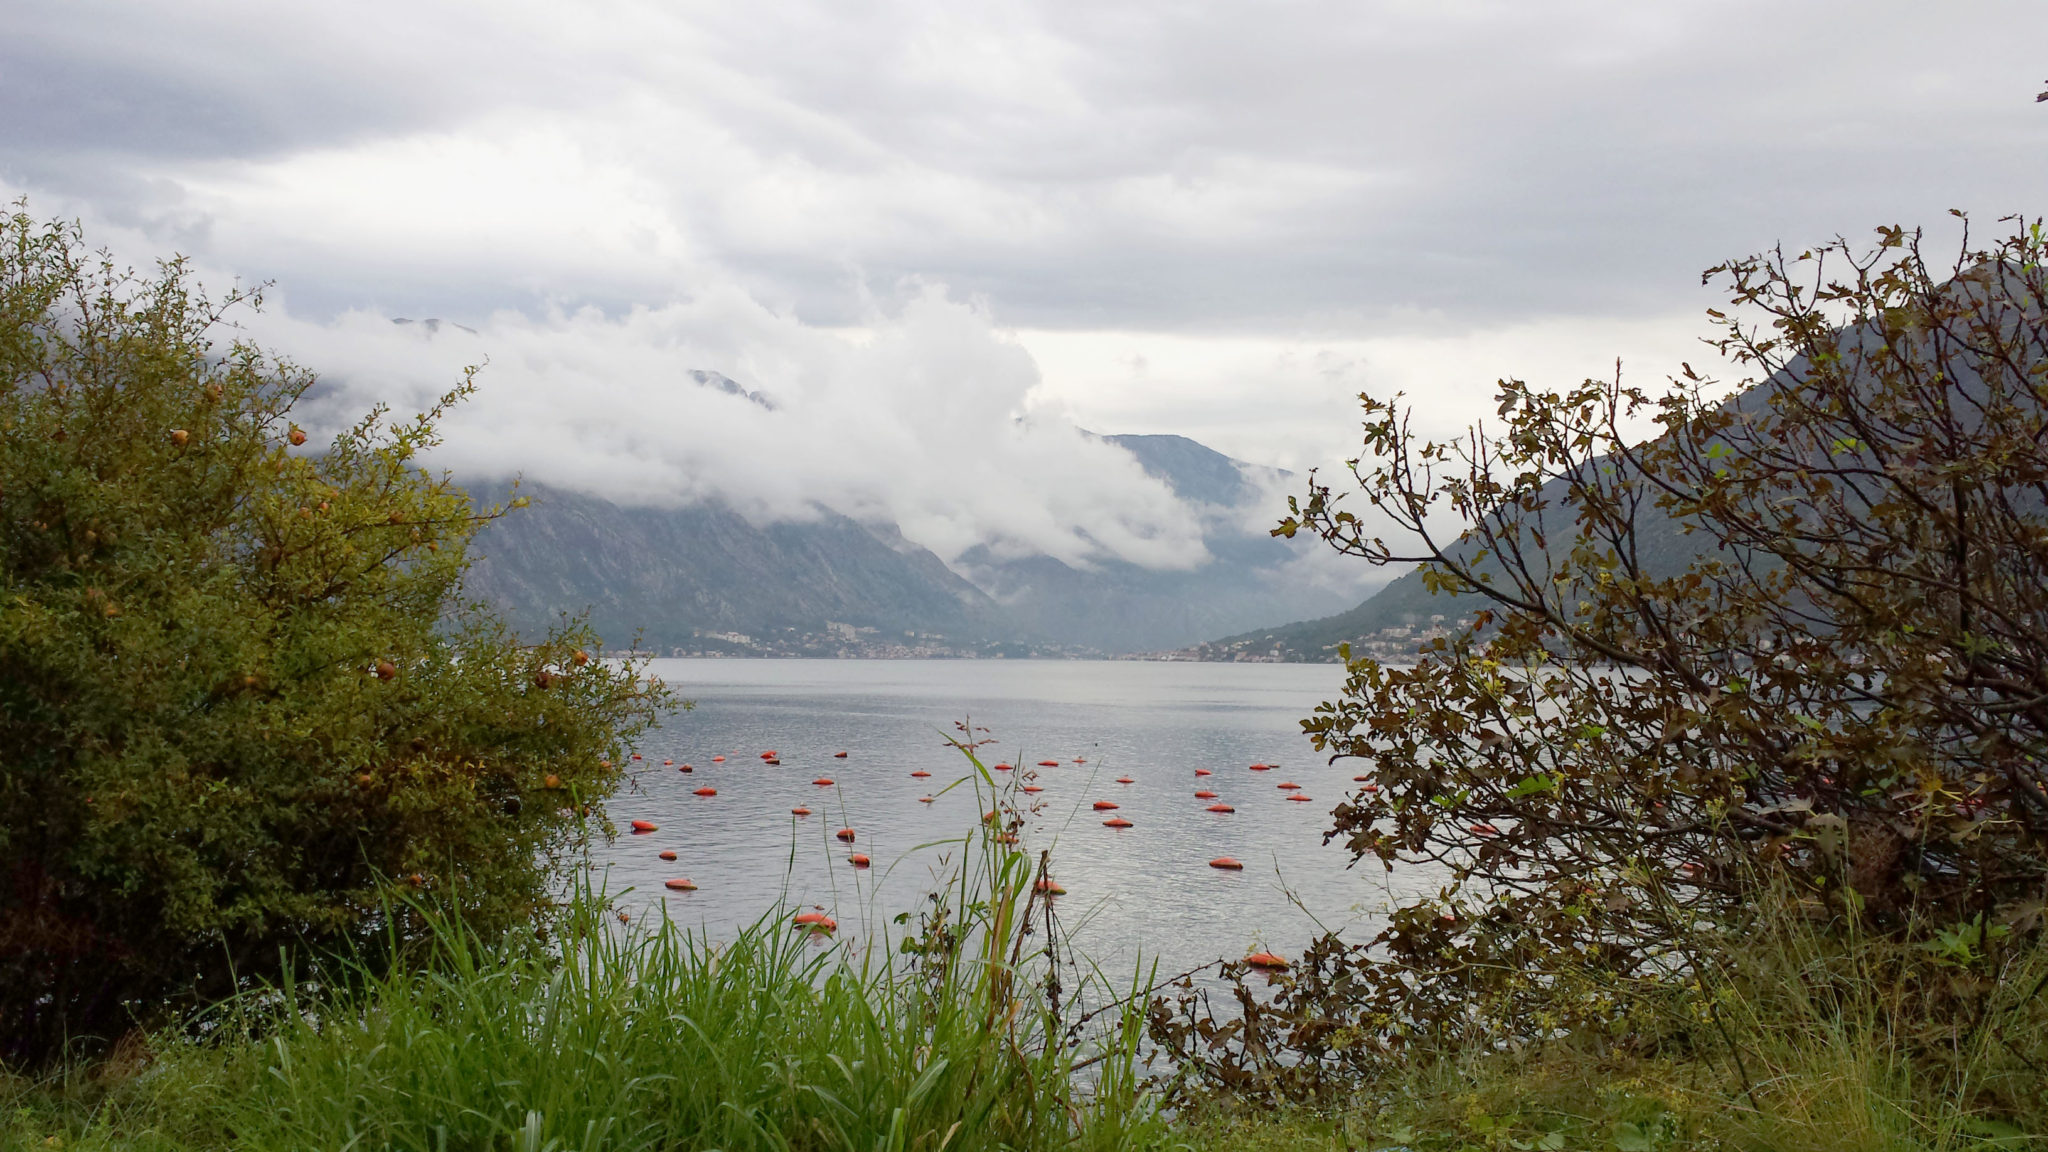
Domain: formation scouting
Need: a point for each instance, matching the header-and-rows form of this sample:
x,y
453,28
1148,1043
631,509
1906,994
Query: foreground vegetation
x,y
654,1039
240,690
967,1031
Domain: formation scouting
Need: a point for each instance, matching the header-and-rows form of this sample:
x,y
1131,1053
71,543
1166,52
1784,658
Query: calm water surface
x,y
1146,891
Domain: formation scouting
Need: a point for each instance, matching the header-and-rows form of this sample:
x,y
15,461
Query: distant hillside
x,y
1390,624
683,575
1122,607
705,579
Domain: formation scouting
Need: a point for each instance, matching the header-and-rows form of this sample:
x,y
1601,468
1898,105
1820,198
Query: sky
x,y
946,238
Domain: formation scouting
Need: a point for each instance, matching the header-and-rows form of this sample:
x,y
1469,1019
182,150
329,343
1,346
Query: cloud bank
x,y
1221,221
926,419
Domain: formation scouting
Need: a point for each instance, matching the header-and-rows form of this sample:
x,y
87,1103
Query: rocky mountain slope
x,y
705,579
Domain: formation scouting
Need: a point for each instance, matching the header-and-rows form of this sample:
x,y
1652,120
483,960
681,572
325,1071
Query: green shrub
x,y
1788,652
239,690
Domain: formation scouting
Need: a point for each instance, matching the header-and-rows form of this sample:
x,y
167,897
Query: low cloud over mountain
x,y
926,419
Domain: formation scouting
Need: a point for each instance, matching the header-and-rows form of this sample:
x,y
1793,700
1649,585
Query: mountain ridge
x,y
703,579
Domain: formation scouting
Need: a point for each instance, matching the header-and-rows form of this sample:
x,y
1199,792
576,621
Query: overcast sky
x,y
985,224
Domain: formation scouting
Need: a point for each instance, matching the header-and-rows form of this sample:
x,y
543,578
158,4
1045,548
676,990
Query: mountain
x,y
1391,623
705,579
1126,608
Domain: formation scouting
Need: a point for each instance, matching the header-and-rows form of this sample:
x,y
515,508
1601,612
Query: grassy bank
x,y
659,1041
1801,1036
603,1037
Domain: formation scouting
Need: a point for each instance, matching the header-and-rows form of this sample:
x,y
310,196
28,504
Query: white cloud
x,y
928,420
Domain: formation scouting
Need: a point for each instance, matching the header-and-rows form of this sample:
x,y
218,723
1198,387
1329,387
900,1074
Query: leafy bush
x,y
1795,642
239,691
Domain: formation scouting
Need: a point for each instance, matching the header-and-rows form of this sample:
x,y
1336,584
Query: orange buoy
x,y
1485,830
1262,767
816,922
1103,806
770,754
839,755
1360,779
636,755
1219,808
858,860
1080,759
1266,960
823,781
679,884
1287,785
772,763
668,763
845,834
1203,772
1227,863
799,810
1205,794
1002,767
988,817
919,774
811,917
1050,888
686,768
642,827
1033,788
1303,799
1048,763
1370,788
718,759
924,799
1116,822
1007,838
707,791
1125,780
666,854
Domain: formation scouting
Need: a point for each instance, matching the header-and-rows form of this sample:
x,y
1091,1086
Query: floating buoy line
x,y
817,921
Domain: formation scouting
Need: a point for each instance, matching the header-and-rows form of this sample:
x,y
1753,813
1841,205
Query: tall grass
x,y
1793,1032
647,1038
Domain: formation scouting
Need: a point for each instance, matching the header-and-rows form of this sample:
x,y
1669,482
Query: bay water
x,y
1144,894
